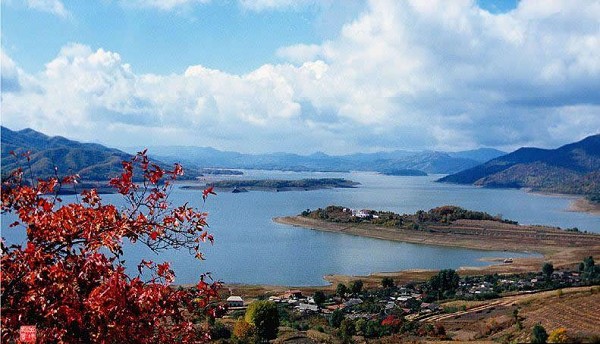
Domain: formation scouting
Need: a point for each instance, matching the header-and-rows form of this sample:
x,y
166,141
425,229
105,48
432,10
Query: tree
x,y
559,336
356,286
69,278
539,335
393,323
445,281
264,315
589,270
319,297
387,282
341,290
346,330
336,318
548,269
242,330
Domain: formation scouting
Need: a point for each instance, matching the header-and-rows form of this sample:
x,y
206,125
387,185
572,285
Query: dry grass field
x,y
575,309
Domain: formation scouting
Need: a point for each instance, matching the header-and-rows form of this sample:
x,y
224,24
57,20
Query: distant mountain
x,y
481,154
572,168
93,162
426,161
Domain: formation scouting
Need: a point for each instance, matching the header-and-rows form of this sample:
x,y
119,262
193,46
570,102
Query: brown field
x,y
575,309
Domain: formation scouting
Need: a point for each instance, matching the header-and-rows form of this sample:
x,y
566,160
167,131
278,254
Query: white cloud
x,y
9,74
51,6
415,74
299,53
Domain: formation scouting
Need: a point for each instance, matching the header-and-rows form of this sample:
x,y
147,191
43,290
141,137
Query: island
x,y
456,227
220,171
237,186
404,173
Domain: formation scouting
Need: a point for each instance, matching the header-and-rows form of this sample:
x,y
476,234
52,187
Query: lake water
x,y
250,248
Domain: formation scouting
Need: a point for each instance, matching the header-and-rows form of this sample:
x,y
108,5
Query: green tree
x,y
264,315
346,330
387,282
539,335
373,329
336,318
360,325
548,269
445,281
589,270
356,286
319,297
341,290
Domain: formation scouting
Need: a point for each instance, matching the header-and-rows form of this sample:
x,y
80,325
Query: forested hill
x,y
93,162
573,168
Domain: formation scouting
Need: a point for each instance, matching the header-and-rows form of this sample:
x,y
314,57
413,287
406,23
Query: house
x,y
353,302
235,302
275,299
363,213
307,308
292,294
404,298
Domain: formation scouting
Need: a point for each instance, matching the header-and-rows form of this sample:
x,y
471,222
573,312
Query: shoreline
x,y
582,205
562,248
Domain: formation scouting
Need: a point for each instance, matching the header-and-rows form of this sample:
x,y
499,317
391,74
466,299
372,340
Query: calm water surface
x,y
250,248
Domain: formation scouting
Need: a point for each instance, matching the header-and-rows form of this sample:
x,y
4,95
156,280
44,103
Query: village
x,y
411,308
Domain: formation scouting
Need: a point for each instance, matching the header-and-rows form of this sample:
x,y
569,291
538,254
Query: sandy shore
x,y
583,205
563,249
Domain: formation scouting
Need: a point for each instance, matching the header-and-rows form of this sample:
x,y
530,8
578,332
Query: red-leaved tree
x,y
69,280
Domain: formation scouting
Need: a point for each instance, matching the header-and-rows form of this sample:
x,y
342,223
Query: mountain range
x,y
385,162
572,169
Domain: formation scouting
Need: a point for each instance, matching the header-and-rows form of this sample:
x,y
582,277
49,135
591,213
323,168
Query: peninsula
x,y
457,227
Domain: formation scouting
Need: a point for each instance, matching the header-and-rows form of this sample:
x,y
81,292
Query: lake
x,y
250,248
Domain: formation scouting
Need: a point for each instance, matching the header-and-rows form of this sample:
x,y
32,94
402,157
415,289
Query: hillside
x,y
573,169
93,162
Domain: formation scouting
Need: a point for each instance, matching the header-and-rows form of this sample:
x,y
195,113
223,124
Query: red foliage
x,y
393,322
69,280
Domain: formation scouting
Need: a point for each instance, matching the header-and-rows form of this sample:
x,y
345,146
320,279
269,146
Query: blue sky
x,y
303,76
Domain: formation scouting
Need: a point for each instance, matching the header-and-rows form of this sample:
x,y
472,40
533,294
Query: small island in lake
x,y
277,185
220,171
404,172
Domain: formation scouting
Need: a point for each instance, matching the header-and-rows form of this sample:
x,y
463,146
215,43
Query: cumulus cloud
x,y
55,7
414,74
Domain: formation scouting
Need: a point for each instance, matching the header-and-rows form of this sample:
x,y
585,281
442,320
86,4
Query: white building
x,y
235,301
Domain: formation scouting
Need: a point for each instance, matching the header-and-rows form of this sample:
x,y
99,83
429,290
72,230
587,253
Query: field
x,y
575,309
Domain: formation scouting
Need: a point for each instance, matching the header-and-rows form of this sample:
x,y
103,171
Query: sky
x,y
336,76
